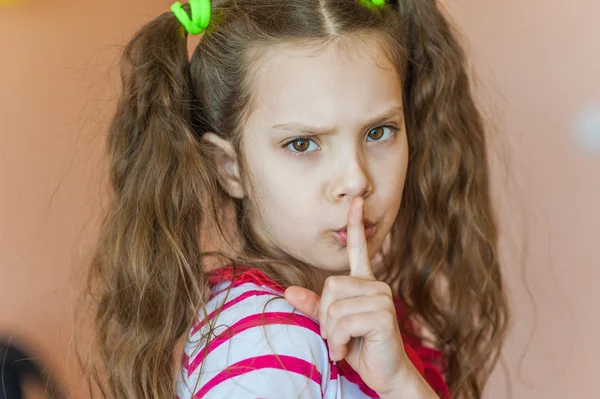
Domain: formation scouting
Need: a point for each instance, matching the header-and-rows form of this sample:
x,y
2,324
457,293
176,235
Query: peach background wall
x,y
537,63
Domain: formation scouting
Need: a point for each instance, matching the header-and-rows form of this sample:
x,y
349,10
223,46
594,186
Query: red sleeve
x,y
420,358
429,362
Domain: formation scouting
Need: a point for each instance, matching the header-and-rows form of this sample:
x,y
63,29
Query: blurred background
x,y
537,65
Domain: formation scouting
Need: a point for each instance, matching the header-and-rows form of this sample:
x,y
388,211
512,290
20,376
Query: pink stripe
x,y
231,286
229,304
279,362
243,275
254,277
261,319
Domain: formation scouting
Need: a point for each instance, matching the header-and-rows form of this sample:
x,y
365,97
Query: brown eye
x,y
300,145
376,134
381,133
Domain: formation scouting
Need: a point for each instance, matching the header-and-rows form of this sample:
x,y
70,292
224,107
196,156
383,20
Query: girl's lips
x,y
366,223
342,234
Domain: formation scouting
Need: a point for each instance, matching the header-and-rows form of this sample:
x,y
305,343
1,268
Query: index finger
x,y
358,255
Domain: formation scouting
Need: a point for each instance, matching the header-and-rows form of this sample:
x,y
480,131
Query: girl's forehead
x,y
297,82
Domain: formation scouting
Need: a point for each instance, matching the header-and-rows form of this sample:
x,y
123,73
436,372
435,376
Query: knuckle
x,y
344,323
331,283
384,288
322,313
334,311
334,284
322,316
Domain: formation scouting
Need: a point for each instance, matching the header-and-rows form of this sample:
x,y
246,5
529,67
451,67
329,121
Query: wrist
x,y
409,384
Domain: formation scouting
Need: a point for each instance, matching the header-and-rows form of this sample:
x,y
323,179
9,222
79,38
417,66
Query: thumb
x,y
304,300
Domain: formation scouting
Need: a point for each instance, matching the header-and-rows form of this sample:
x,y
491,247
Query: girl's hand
x,y
357,316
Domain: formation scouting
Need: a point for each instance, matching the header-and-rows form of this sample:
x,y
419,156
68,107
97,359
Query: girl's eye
x,y
380,133
302,145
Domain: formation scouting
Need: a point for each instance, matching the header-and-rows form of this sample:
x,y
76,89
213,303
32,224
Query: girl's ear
x,y
227,165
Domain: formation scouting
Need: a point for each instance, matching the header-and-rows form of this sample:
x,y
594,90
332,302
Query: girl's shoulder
x,y
246,333
244,296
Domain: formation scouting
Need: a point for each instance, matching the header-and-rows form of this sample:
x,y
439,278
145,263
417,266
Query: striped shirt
x,y
261,347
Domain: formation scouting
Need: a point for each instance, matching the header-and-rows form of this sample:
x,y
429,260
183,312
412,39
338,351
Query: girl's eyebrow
x,y
298,127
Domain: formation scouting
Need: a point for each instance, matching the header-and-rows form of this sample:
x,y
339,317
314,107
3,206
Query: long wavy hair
x,y
147,277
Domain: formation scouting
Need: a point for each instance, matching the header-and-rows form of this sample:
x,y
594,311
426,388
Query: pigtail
x,y
452,244
146,273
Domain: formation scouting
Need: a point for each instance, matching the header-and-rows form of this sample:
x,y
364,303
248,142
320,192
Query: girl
x,y
344,135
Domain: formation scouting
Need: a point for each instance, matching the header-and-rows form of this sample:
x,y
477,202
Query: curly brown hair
x,y
147,276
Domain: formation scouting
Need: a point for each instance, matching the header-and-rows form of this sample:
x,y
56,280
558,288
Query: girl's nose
x,y
352,179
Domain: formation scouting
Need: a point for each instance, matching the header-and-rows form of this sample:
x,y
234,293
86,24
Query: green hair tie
x,y
372,4
200,10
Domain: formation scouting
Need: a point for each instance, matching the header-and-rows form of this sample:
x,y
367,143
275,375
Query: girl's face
x,y
327,127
